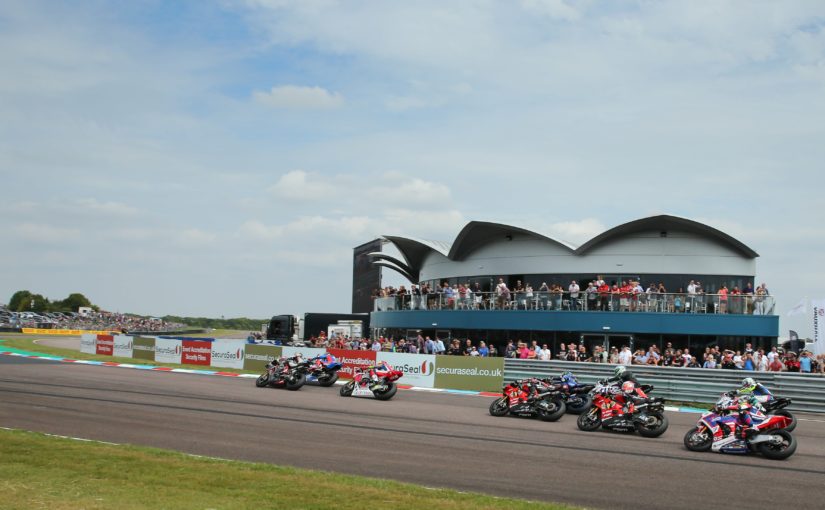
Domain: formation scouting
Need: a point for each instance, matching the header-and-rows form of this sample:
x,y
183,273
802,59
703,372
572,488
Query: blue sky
x,y
223,158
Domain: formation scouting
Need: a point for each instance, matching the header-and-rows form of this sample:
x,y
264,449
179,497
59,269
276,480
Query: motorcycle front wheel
x,y
781,450
499,407
387,394
589,421
295,382
579,404
263,380
657,426
346,390
698,439
555,409
329,380
787,414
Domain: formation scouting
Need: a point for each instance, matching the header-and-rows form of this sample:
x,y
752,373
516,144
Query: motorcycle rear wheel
x,y
583,404
328,381
387,394
589,421
788,414
263,380
778,451
555,411
295,383
346,390
696,441
499,407
656,429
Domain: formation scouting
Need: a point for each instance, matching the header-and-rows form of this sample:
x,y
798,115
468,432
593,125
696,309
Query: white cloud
x,y
301,186
299,98
577,232
556,9
47,234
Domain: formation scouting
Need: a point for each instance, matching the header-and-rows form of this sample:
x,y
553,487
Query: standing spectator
x,y
510,350
693,363
544,295
805,362
455,348
376,345
723,299
710,362
573,288
614,356
502,294
429,346
493,350
772,355
483,351
791,363
748,363
761,294
776,365
747,292
563,352
439,346
523,350
625,357
761,361
546,355
468,347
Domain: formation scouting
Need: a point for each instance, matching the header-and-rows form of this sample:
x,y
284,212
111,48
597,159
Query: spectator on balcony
x,y
591,295
638,301
543,296
735,300
463,302
723,299
748,293
502,294
415,298
604,295
573,289
690,300
759,300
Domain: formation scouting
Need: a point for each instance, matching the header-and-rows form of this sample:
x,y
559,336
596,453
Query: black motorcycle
x,y
527,401
289,373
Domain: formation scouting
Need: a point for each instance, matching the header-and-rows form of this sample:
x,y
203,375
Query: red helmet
x,y
628,387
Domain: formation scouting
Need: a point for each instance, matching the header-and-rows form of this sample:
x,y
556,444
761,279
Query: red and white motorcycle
x,y
377,381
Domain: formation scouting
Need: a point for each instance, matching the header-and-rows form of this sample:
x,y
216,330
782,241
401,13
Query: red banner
x,y
196,353
105,345
351,359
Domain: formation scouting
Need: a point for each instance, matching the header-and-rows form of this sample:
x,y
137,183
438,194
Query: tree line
x,y
25,301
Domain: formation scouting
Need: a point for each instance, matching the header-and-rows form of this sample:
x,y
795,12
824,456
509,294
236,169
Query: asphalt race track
x,y
432,439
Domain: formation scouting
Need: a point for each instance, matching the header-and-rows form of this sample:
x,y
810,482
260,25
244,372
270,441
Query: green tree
x,y
19,300
75,301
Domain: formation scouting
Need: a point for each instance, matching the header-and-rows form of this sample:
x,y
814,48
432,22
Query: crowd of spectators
x,y
92,321
623,295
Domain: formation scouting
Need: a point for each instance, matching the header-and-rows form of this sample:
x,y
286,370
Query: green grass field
x,y
39,471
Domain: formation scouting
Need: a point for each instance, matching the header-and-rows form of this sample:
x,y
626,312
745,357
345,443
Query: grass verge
x,y
40,471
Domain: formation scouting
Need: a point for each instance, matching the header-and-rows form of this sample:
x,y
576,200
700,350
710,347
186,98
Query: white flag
x,y
800,309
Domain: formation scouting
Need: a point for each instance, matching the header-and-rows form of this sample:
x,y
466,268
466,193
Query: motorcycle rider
x,y
743,407
755,390
373,374
621,375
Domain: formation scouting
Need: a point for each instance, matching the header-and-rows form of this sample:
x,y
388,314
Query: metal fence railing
x,y
736,304
807,391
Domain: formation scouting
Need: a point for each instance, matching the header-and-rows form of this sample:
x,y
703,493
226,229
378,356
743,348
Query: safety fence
x,y
421,370
807,391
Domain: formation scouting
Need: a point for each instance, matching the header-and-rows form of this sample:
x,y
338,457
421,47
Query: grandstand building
x,y
664,249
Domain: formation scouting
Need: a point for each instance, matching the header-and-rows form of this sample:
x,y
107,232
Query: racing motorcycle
x,y
323,369
643,414
576,395
289,373
362,385
718,431
529,398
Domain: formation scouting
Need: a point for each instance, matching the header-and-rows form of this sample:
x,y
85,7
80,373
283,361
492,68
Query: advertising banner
x,y
228,353
469,373
194,352
105,345
88,343
351,359
306,352
819,318
419,369
123,346
143,348
256,356
167,350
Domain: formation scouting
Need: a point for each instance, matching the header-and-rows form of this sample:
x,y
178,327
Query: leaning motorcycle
x,y
576,395
717,431
323,369
524,398
644,414
362,386
289,373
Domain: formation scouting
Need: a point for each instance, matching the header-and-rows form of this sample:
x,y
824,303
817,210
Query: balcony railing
x,y
737,304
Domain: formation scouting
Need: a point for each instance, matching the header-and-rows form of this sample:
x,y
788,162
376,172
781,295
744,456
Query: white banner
x,y
306,352
419,369
819,324
88,344
167,350
122,346
228,353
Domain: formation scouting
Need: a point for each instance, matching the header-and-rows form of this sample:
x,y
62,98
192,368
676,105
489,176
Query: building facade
x,y
670,279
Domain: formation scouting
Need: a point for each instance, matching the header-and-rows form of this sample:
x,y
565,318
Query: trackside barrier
x,y
685,384
421,370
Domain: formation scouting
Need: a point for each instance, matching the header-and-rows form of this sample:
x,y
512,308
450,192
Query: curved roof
x,y
665,222
478,233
